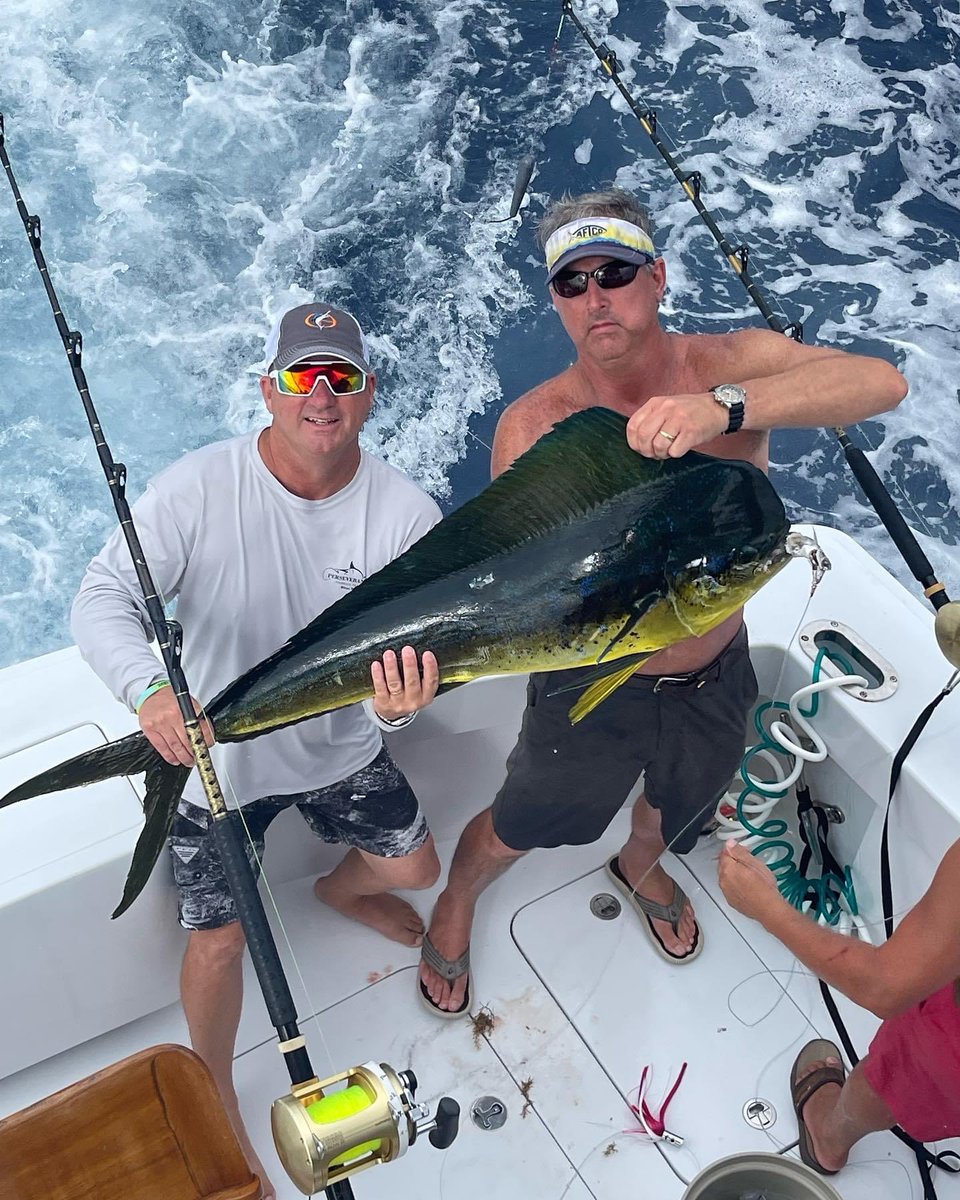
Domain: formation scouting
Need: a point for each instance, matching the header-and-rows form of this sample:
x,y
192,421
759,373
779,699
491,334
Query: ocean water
x,y
199,167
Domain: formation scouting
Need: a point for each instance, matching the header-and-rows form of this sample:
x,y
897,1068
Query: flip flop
x,y
651,910
802,1089
450,969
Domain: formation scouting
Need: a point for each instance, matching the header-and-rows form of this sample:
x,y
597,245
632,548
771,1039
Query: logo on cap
x,y
320,320
586,231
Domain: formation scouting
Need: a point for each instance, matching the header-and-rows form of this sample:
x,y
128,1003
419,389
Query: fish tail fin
x,y
128,756
164,786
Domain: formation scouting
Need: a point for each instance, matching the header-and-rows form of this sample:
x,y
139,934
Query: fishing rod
x,y
373,1115
947,620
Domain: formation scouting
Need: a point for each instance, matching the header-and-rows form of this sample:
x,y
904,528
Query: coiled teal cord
x,y
823,895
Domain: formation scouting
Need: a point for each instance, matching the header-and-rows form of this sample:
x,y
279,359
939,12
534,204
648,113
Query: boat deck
x,y
577,1005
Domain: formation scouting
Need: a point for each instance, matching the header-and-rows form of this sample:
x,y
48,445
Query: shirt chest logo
x,y
346,578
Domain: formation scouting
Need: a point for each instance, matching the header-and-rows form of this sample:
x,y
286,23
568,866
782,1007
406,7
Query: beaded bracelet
x,y
148,692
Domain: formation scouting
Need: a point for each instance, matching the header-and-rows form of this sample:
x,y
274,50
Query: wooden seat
x,y
151,1127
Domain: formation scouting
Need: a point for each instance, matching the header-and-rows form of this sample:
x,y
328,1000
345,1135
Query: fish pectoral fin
x,y
599,673
640,607
603,688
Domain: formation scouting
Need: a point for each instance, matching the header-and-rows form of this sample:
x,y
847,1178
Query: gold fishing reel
x,y
327,1130
946,628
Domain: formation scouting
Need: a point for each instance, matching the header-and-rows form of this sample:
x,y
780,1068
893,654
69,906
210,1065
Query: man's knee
x,y
414,872
424,866
216,949
429,872
494,845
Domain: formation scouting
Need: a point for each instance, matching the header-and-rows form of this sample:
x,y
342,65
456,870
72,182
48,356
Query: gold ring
x,y
668,436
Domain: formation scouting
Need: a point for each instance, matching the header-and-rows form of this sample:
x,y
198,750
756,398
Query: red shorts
x,y
914,1066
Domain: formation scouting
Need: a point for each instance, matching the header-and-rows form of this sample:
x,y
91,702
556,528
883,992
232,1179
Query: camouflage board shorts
x,y
374,809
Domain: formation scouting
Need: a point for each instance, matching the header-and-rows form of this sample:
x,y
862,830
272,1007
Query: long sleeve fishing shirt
x,y
248,564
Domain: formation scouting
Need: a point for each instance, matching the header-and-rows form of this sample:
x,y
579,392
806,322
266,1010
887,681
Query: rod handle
x,y
230,841
901,533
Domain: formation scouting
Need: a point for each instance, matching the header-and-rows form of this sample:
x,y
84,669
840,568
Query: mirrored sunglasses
x,y
611,275
302,379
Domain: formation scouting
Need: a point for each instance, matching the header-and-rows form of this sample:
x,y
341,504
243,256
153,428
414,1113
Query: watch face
x,y
729,394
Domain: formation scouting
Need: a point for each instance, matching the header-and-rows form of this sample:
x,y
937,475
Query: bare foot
x,y
657,885
388,914
450,932
818,1114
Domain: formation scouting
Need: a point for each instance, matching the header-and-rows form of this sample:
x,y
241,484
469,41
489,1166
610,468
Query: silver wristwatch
x,y
733,398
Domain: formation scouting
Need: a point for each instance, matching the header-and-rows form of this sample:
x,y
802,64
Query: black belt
x,y
692,679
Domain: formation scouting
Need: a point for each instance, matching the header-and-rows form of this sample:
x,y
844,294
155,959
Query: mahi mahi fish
x,y
582,553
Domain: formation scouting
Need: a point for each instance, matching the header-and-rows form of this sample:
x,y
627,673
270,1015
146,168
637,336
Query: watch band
x,y
733,398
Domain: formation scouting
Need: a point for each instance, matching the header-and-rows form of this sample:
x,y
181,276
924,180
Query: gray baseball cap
x,y
312,330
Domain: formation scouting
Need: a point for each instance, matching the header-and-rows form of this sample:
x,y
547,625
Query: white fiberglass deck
x,y
578,1014
579,1004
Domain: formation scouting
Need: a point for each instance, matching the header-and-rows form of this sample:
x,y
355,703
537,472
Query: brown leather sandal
x,y
802,1089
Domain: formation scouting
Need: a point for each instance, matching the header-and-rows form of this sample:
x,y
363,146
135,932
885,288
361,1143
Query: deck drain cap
x,y
488,1112
759,1113
605,906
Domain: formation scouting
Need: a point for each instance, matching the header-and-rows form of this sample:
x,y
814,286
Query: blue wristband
x,y
148,692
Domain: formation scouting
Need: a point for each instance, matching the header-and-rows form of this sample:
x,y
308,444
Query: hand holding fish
x,y
399,688
669,426
748,884
162,723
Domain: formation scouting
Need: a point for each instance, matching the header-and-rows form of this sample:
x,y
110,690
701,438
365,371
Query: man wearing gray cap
x,y
680,720
254,537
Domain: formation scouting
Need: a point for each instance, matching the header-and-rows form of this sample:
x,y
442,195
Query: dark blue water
x,y
199,168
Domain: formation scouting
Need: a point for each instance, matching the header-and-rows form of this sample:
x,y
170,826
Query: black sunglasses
x,y
611,275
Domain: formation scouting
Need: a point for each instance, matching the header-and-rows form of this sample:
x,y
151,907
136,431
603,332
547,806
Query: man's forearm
x,y
836,389
845,963
113,641
110,625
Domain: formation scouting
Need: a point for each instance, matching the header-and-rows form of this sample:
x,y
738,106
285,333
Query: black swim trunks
x,y
374,809
565,783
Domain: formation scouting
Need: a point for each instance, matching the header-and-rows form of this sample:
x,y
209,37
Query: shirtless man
x,y
681,719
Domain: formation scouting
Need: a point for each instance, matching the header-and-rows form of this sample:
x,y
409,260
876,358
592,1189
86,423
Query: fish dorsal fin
x,y
581,463
599,691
